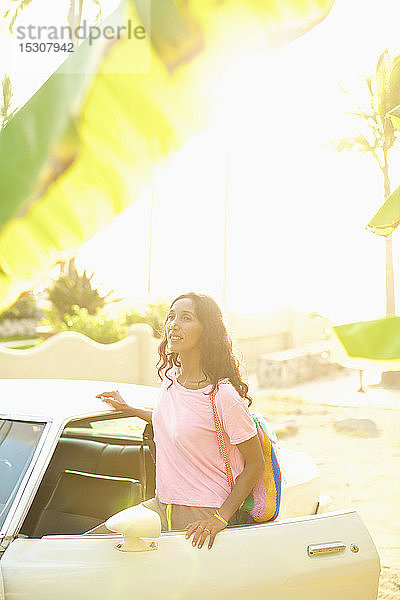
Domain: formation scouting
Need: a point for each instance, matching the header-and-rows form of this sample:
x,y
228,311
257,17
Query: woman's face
x,y
183,328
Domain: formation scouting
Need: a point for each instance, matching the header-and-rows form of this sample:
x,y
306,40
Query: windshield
x,y
18,441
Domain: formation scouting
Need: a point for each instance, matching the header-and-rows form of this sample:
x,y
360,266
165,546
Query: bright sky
x,y
297,210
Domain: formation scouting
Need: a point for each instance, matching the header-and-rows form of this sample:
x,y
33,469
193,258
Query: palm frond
x,y
22,4
388,85
363,144
359,142
368,81
362,115
377,134
7,96
98,17
382,82
341,144
71,16
7,92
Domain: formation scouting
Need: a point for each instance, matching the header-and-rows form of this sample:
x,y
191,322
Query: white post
x,y
146,361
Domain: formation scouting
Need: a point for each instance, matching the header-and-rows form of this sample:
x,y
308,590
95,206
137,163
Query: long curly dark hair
x,y
217,359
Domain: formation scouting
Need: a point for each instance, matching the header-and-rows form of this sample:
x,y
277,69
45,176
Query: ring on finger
x,y
206,529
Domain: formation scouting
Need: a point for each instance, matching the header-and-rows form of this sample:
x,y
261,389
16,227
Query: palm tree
x,y
377,137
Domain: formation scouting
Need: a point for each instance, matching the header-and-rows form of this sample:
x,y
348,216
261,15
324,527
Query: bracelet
x,y
221,518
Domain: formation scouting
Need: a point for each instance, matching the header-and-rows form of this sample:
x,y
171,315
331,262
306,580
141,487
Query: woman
x,y
192,490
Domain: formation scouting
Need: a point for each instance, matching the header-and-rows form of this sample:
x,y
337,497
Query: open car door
x,y
331,556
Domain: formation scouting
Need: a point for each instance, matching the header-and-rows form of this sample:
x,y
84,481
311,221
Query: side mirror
x,y
135,523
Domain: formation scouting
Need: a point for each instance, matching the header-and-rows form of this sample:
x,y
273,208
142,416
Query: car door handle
x,y
327,548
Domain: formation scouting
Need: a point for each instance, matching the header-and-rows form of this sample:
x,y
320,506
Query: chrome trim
x,y
24,417
300,519
38,451
49,449
327,548
83,536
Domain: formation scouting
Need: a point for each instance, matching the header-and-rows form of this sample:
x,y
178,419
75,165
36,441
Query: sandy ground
x,y
356,472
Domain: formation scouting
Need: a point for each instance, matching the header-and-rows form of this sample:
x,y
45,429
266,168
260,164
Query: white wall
x,y
70,355
284,328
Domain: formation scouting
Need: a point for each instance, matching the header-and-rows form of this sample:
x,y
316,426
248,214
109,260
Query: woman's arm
x,y
143,413
115,400
253,468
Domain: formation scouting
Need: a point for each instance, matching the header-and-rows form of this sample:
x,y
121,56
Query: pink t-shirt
x,y
190,469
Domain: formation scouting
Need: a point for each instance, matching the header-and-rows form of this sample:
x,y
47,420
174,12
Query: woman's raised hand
x,y
114,399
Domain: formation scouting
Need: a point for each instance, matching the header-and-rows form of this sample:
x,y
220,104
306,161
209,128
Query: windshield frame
x,y
4,531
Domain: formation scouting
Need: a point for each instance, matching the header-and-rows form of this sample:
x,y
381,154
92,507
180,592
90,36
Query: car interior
x,y
99,467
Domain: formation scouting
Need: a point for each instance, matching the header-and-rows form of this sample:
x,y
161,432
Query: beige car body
x,y
330,555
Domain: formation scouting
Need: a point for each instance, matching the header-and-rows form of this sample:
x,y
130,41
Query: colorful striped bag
x,y
264,500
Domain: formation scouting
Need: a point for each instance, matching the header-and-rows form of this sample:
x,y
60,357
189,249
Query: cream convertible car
x,y
67,463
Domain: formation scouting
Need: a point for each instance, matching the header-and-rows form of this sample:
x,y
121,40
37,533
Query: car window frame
x,y
5,529
112,415
54,428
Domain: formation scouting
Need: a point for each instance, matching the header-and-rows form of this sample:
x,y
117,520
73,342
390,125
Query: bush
x,y
17,329
24,308
103,327
68,291
99,327
154,316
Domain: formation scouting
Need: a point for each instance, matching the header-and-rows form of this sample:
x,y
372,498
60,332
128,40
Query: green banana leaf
x,y
81,149
369,343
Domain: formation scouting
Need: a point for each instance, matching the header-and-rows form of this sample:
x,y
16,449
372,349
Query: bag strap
x,y
221,441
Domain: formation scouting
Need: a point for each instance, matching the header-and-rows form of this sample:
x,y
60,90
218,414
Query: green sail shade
x,y
374,342
387,218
